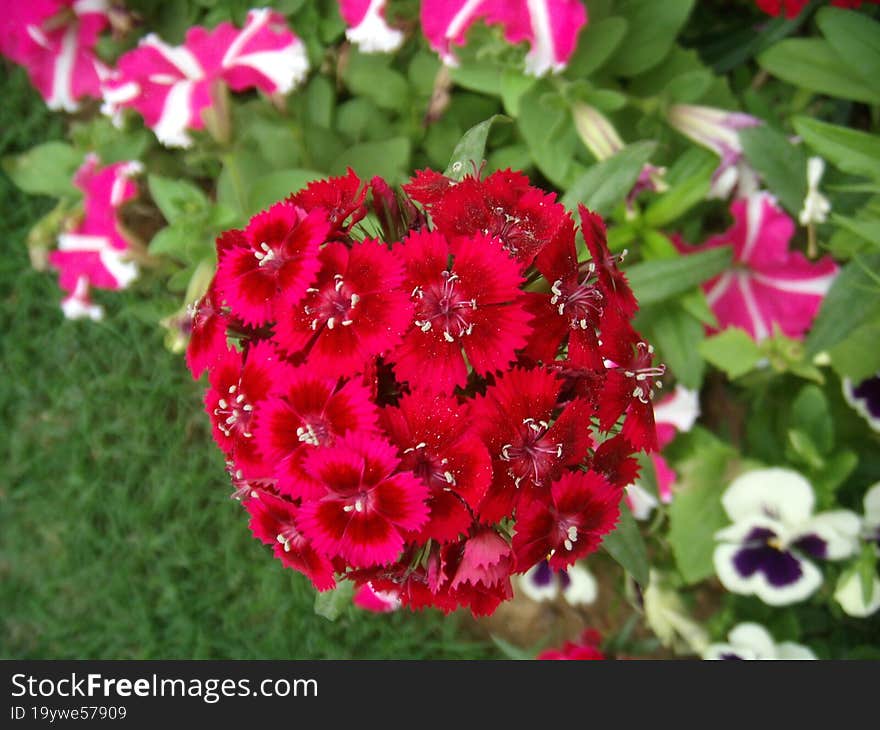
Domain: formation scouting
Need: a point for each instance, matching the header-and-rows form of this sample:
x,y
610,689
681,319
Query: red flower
x,y
502,206
308,411
275,255
237,386
528,451
587,647
341,199
469,305
583,506
356,309
207,340
479,571
435,441
613,280
273,521
368,505
629,383
793,8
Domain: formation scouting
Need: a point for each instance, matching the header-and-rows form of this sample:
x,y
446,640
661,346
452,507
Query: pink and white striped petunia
x,y
551,27
95,253
718,130
768,285
55,40
674,413
367,27
172,86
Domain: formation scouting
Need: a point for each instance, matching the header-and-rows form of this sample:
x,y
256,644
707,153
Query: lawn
x,y
118,539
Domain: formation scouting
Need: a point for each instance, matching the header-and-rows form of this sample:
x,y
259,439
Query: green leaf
x,y
177,199
812,63
513,85
46,169
654,281
869,230
653,27
689,180
606,184
546,126
850,150
626,546
596,43
677,336
851,302
388,159
276,186
801,448
470,151
732,351
811,414
858,356
829,479
856,39
689,87
782,164
368,75
330,604
170,241
696,514
511,651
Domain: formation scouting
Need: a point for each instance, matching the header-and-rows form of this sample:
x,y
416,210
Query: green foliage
x,y
606,184
696,514
656,281
627,547
46,169
733,351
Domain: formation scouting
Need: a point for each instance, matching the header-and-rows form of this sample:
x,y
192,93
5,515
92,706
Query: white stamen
x,y
331,323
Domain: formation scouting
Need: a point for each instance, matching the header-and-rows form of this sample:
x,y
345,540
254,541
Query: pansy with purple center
x,y
577,585
768,550
752,641
865,398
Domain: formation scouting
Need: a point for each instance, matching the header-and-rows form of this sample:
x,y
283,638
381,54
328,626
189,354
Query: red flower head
x,y
341,199
502,206
530,444
479,571
273,521
276,255
368,505
792,8
466,308
356,309
307,412
237,385
582,507
435,441
587,647
399,408
207,340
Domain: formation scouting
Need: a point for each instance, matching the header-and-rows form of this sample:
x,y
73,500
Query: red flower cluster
x,y
792,8
586,648
434,409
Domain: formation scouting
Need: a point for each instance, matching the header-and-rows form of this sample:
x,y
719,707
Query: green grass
x,y
117,535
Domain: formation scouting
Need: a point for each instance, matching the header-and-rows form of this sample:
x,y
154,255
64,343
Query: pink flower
x,y
55,40
718,130
551,27
93,254
768,285
371,599
172,86
367,27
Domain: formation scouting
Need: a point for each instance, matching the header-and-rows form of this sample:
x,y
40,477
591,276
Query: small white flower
x,y
577,584
816,206
851,597
753,641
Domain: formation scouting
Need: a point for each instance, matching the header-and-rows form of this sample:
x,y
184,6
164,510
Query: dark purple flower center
x,y
763,552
